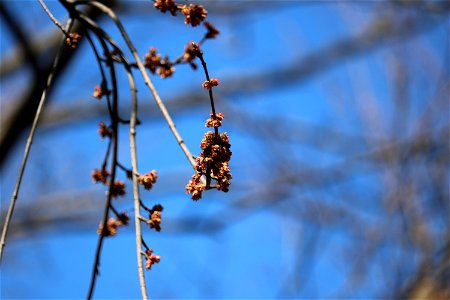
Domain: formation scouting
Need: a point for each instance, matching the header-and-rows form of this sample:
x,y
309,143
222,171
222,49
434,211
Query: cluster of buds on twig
x,y
118,187
73,39
147,180
156,64
213,161
113,224
100,176
208,84
103,130
194,13
155,217
151,259
100,91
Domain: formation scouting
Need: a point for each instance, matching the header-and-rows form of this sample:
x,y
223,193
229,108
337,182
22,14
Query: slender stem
x,y
136,197
100,67
211,97
52,17
145,207
114,141
145,245
29,143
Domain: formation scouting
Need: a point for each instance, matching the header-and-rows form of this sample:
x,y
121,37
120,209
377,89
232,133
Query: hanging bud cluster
x,y
213,161
194,14
113,224
151,259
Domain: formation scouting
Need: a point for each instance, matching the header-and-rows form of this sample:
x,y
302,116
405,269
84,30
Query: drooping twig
x,y
147,80
52,17
211,96
136,197
114,141
29,143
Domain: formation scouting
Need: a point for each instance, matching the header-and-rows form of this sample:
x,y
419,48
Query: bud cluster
x,y
151,259
194,13
213,161
73,39
100,91
104,131
156,64
112,225
148,179
155,217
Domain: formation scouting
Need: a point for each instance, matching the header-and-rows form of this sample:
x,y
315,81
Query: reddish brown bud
x,y
152,60
151,259
111,228
208,84
73,40
166,5
212,31
99,92
104,130
166,68
118,188
99,175
148,179
191,51
194,13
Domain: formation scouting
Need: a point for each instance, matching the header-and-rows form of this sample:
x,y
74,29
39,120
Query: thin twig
x,y
104,83
136,197
114,140
29,142
52,17
211,97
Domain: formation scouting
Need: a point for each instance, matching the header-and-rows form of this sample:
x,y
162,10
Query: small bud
x,y
73,40
194,14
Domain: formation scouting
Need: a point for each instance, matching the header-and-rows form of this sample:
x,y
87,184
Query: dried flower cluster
x,y
148,179
151,259
73,39
112,225
213,161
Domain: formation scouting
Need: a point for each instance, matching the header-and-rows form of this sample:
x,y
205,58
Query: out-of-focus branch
x,y
301,69
22,116
24,41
